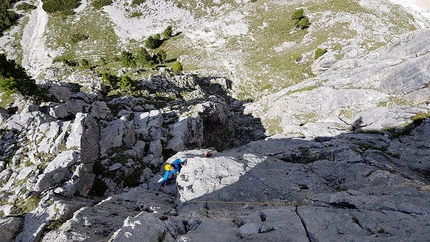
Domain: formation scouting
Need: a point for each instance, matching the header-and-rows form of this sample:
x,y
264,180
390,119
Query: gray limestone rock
x,y
9,226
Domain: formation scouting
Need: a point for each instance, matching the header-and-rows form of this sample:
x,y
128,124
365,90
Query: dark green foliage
x,y
177,67
150,43
300,21
153,42
127,59
303,23
98,4
78,37
102,61
110,80
126,83
133,179
70,63
138,2
319,52
25,6
162,236
168,32
143,57
7,18
99,187
298,14
13,78
64,6
85,63
161,56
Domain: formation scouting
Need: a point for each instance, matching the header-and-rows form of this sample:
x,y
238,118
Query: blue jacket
x,y
177,165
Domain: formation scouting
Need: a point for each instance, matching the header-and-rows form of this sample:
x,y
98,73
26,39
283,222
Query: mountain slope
x,y
332,149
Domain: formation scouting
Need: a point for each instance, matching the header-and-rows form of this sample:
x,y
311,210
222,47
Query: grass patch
x,y
100,38
273,126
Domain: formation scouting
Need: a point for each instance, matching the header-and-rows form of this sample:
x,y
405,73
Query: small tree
x,y
303,23
298,14
300,20
161,56
151,43
168,32
143,57
110,80
127,59
125,83
177,67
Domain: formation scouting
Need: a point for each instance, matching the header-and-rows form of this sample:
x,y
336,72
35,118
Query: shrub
x,y
168,32
177,67
303,23
161,56
85,63
151,43
138,2
127,59
298,14
78,37
98,4
65,6
136,14
13,78
7,18
319,52
25,6
126,83
143,57
300,21
99,187
110,80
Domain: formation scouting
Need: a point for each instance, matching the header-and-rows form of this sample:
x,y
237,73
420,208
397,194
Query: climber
x,y
171,169
208,153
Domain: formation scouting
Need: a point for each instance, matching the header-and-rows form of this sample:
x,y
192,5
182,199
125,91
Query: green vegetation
x,y
91,37
136,14
138,2
274,126
27,205
25,6
319,52
161,237
177,67
355,220
99,188
300,21
64,6
153,42
13,78
419,117
7,18
98,4
78,37
168,32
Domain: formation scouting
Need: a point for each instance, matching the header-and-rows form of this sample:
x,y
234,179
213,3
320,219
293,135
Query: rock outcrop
x,y
343,156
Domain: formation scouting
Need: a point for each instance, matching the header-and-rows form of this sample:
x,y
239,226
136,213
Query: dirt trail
x,y
36,57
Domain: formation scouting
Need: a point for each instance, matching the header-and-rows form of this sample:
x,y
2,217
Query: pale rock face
x,y
325,176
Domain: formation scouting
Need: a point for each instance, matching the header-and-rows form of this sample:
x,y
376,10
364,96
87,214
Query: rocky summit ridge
x,y
343,156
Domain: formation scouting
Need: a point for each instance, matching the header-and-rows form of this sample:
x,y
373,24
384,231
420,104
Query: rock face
x,y
347,158
76,146
385,89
